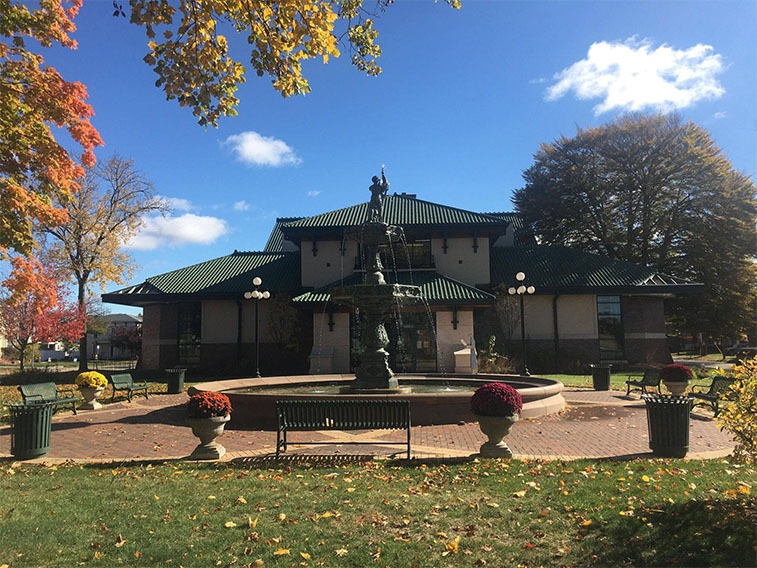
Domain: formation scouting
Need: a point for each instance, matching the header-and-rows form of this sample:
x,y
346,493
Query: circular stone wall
x,y
253,399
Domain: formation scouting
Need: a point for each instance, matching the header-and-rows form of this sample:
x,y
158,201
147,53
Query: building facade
x,y
583,308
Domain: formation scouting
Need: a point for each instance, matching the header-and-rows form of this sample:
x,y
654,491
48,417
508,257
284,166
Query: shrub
x,y
676,372
496,399
208,404
92,380
739,413
490,361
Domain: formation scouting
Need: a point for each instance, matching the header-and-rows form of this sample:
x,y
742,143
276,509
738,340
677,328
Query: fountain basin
x,y
437,399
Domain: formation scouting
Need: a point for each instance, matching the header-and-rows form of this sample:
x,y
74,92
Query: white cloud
x,y
314,193
256,150
720,115
241,206
176,203
633,76
176,231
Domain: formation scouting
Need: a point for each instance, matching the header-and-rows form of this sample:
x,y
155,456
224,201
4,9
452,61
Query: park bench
x,y
49,393
124,382
716,391
341,414
651,379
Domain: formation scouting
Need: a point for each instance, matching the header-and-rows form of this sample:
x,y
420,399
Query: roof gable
x,y
400,210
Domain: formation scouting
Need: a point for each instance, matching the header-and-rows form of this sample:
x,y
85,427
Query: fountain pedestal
x,y
373,299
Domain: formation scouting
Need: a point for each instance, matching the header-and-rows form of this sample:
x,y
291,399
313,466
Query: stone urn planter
x,y
496,428
676,378
677,388
207,430
90,396
208,414
497,407
91,385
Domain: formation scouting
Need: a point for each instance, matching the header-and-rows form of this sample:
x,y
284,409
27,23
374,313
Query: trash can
x,y
30,429
668,424
600,376
175,380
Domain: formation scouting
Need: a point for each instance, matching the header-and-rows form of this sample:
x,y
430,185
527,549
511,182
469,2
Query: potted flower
x,y
676,378
208,414
497,407
91,384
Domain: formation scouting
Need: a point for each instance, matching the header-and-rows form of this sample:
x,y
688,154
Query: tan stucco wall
x,y
219,322
460,262
577,317
448,338
337,340
328,265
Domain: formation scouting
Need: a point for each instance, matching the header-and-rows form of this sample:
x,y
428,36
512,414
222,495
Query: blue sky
x,y
465,99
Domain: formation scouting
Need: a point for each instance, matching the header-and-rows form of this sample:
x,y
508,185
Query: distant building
x,y
105,346
585,308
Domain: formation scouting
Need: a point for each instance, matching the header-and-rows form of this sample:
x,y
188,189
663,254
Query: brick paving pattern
x,y
595,424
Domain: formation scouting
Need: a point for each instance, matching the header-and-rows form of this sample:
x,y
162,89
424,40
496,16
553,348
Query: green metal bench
x,y
651,379
48,392
716,391
124,382
341,414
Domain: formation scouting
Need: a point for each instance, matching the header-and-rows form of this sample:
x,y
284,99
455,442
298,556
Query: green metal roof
x,y
276,238
224,277
435,289
555,269
521,236
403,210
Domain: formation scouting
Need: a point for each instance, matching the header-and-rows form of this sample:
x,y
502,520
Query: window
x,y
402,256
189,333
610,325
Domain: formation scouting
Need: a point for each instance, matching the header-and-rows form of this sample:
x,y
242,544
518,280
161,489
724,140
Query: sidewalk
x,y
595,424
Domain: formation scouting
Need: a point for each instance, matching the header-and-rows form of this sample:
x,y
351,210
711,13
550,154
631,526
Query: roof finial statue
x,y
378,190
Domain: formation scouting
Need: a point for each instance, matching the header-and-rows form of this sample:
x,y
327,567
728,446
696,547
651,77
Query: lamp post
x,y
257,295
521,291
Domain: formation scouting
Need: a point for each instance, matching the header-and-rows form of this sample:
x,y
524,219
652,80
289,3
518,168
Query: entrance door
x,y
412,346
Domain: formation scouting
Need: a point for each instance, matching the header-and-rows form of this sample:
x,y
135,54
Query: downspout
x,y
556,331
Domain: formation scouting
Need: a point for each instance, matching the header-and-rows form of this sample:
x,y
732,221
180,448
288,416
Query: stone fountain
x,y
374,297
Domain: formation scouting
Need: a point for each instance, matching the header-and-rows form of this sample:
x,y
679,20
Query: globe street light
x,y
521,291
257,295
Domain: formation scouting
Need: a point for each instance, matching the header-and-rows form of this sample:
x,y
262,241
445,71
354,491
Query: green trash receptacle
x,y
600,376
31,425
668,424
175,380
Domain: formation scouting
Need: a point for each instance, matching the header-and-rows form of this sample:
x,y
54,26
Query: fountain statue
x,y
374,297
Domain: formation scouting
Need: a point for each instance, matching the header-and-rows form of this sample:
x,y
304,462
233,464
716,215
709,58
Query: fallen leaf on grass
x,y
120,541
230,524
341,552
281,552
452,547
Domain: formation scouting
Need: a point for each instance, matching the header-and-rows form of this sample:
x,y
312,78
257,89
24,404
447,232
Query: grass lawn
x,y
489,512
